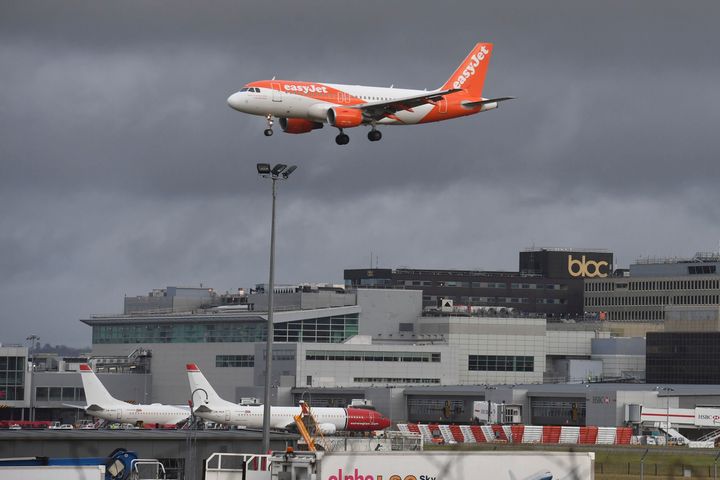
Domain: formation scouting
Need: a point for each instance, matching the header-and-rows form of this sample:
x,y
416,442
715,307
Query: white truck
x,y
435,465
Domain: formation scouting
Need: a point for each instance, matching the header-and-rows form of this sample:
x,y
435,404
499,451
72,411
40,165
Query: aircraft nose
x,y
383,422
235,100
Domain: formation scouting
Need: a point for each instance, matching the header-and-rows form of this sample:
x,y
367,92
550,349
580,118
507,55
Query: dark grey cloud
x,y
122,169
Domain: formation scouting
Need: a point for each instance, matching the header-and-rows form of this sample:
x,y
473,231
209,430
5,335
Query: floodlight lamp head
x,y
263,168
277,169
289,171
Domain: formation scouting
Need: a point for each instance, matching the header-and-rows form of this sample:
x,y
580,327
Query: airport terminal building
x,y
415,358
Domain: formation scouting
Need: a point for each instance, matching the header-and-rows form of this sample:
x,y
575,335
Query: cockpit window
x,y
244,89
256,90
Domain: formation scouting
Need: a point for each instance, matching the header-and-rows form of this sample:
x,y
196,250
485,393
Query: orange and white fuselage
x,y
306,106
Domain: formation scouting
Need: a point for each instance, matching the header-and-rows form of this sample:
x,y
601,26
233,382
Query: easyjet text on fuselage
x,y
290,87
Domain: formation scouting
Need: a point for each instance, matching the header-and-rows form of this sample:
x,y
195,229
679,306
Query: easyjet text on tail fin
x,y
95,391
470,75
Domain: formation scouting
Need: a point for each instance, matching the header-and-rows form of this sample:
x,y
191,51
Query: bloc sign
x,y
587,268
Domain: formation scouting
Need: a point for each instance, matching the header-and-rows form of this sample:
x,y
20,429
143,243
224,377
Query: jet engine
x,y
327,428
344,117
298,125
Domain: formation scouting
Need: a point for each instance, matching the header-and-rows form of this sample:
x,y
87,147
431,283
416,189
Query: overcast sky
x,y
122,168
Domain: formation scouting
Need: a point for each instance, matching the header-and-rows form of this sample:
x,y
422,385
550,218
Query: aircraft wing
x,y
378,110
486,101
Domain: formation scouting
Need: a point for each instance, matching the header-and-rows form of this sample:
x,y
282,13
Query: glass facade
x,y
334,329
500,363
683,357
57,394
12,378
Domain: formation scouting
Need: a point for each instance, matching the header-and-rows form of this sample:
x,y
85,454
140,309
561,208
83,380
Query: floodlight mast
x,y
278,172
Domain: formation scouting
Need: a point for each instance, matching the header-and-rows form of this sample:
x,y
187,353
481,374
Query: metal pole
x,y
667,425
642,465
270,332
715,466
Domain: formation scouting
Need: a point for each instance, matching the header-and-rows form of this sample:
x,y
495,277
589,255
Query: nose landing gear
x,y
269,131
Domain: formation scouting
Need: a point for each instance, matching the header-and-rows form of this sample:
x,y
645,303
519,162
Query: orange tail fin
x,y
470,75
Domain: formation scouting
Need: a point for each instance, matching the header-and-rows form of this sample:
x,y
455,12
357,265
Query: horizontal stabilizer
x,y
79,407
486,101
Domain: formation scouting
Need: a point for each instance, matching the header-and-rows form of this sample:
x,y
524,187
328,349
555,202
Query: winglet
x,y
84,367
470,75
191,367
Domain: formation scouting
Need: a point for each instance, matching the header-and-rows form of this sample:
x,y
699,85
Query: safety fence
x,y
548,434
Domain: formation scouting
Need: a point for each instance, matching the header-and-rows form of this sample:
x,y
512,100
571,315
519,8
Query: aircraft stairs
x,y
710,437
676,435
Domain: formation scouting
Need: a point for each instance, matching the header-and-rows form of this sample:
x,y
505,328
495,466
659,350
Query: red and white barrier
x,y
548,434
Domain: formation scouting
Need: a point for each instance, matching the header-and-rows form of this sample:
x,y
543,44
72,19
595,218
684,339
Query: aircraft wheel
x,y
342,139
374,135
268,132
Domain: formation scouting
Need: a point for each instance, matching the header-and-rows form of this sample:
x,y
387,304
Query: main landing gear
x,y
374,135
269,131
342,138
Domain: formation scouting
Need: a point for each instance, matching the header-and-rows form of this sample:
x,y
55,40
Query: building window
x,y
702,269
386,380
500,363
363,356
12,378
222,361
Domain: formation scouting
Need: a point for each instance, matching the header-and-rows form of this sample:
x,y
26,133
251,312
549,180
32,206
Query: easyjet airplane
x,y
305,106
329,420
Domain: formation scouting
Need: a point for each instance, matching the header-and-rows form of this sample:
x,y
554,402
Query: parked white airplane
x,y
330,420
103,405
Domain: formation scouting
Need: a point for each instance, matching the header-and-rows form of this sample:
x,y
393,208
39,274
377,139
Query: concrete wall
x,y
384,310
692,318
388,401
169,376
572,342
493,336
327,373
